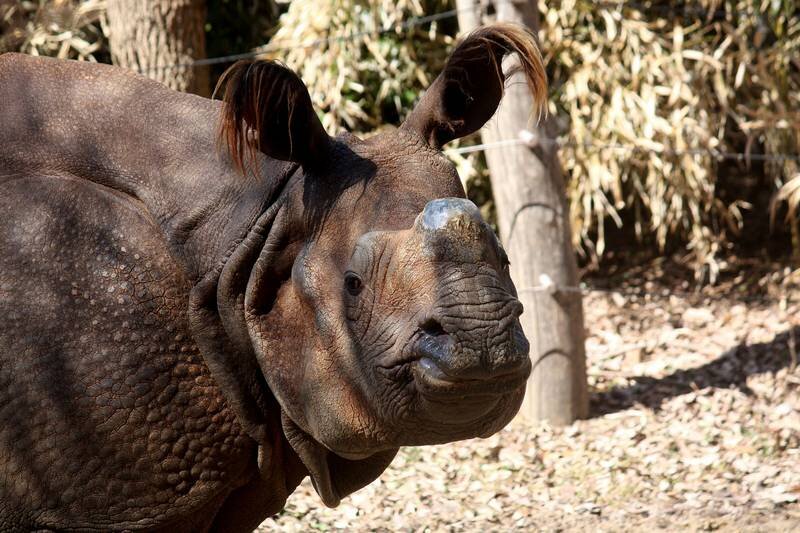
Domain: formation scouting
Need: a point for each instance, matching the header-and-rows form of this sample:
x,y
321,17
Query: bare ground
x,y
695,426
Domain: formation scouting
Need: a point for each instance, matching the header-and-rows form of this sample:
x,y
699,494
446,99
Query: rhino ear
x,y
267,108
467,92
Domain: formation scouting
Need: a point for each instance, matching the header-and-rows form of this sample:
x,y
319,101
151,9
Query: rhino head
x,y
377,302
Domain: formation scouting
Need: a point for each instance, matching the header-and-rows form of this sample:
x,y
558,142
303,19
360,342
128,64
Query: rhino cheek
x,y
337,414
311,364
281,366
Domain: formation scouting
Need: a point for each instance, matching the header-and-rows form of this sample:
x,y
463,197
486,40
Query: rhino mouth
x,y
441,371
434,383
432,352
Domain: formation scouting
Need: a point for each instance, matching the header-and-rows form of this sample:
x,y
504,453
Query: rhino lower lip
x,y
432,381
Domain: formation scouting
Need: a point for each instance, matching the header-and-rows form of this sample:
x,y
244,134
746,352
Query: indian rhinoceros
x,y
202,302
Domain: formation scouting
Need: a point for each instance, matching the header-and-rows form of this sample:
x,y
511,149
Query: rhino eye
x,y
353,284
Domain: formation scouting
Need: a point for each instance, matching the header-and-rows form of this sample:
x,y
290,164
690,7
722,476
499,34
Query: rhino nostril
x,y
432,327
435,345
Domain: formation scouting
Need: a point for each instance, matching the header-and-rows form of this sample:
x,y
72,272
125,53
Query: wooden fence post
x,y
152,36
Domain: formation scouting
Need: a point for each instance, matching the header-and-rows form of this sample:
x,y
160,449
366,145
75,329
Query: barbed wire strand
x,y
530,139
696,152
286,46
418,21
566,288
411,23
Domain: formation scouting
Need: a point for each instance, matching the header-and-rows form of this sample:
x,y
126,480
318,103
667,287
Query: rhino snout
x,y
489,355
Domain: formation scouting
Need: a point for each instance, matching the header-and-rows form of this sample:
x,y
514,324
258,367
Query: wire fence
x,y
526,138
662,10
287,46
550,287
531,140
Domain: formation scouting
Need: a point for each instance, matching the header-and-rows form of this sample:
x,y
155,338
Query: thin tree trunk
x,y
534,226
151,36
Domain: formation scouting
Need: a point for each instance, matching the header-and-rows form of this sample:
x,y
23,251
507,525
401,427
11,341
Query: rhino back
x,y
105,124
110,126
108,416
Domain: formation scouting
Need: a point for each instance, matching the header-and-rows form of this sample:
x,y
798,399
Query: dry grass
x,y
358,83
66,29
718,76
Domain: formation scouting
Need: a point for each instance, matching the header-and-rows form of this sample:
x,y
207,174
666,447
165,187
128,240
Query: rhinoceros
x,y
203,302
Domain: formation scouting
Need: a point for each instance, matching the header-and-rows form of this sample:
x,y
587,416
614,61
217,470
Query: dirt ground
x,y
695,425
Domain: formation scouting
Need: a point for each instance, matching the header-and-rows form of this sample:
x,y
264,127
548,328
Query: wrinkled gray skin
x,y
180,344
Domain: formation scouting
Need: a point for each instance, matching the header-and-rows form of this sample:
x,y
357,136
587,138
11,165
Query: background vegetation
x,y
633,87
708,76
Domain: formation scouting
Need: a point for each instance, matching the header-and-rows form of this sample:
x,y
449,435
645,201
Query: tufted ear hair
x,y
267,108
467,92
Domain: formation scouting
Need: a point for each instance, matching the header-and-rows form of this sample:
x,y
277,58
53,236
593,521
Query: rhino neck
x,y
119,130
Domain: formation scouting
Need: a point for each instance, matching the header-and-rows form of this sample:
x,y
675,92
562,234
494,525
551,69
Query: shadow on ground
x,y
730,370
